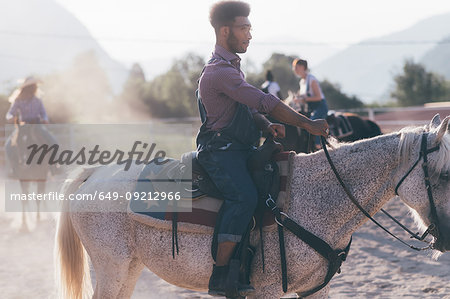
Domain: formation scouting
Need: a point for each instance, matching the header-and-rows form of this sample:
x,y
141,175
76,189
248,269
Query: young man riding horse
x,y
231,126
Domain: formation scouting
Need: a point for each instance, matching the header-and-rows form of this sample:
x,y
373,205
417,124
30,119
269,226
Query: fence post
x,y
371,114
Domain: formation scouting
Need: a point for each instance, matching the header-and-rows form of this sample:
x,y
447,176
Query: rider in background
x,y
26,108
270,86
310,93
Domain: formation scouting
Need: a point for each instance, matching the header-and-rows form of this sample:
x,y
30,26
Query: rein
x,y
433,226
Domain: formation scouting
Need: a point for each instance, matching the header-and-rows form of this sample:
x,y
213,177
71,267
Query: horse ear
x,y
435,122
444,127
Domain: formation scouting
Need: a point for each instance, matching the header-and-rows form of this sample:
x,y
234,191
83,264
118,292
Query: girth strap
x,y
174,230
334,257
174,233
282,258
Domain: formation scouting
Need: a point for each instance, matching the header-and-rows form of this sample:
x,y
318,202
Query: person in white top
x,y
271,86
310,93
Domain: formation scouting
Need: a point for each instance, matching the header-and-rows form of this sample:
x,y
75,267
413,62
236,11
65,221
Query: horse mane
x,y
334,142
407,140
442,163
408,136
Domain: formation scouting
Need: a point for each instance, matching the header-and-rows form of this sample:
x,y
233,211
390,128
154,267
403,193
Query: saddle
x,y
202,184
202,199
192,183
340,126
196,183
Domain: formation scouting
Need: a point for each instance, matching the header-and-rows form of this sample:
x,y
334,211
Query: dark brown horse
x,y
356,128
360,128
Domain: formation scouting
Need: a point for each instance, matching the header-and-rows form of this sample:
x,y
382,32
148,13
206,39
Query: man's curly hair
x,y
223,13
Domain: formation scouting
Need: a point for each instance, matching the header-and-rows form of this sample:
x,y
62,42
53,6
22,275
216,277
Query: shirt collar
x,y
225,54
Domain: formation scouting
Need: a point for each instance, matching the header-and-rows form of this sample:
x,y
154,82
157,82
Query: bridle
x,y
433,227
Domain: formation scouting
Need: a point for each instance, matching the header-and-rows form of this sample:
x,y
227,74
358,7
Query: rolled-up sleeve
x,y
230,82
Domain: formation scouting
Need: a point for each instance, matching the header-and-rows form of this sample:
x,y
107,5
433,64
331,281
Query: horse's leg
x,y
113,276
24,226
116,267
134,271
25,185
40,190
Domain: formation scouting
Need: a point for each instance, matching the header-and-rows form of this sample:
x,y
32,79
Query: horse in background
x,y
357,127
345,127
28,174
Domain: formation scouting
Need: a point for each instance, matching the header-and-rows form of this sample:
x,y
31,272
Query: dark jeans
x,y
319,111
228,170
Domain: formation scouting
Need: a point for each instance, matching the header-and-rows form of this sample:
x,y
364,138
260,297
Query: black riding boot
x,y
218,281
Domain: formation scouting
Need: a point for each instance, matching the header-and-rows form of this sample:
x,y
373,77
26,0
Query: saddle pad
x,y
203,216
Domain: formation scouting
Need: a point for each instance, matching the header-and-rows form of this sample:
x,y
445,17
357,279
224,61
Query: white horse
x,y
119,247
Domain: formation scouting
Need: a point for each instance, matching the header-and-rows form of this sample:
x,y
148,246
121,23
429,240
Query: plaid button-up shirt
x,y
28,110
222,85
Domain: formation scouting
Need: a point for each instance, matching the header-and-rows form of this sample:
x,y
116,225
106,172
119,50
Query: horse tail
x,y
72,267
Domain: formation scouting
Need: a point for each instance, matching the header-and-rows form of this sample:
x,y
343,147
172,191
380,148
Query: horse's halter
x,y
433,229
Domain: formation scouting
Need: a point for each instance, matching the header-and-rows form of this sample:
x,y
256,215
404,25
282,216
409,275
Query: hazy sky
x,y
139,30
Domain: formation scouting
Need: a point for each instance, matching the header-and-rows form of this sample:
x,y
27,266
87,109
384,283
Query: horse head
x,y
427,150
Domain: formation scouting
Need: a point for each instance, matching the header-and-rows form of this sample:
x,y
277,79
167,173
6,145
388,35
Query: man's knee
x,y
250,198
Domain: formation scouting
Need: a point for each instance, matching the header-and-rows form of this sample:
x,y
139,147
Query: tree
x,y
130,103
416,86
336,99
281,67
173,94
137,73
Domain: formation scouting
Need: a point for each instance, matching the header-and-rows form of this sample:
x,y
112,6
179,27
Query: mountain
x,y
40,37
367,69
437,59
